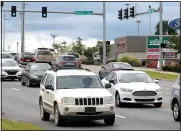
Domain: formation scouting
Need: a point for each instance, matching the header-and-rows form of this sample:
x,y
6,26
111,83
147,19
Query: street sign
x,y
151,10
169,55
83,12
175,24
153,41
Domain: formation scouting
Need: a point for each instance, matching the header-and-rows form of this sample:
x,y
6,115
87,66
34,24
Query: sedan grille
x,y
89,101
11,72
144,93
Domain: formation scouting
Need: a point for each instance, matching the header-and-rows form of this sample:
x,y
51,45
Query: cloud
x,y
90,28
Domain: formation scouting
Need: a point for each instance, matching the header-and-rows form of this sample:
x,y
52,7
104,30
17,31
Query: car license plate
x,y
90,110
27,60
69,63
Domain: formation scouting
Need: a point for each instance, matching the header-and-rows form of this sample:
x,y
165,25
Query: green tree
x,y
175,43
100,48
61,47
89,51
165,29
78,47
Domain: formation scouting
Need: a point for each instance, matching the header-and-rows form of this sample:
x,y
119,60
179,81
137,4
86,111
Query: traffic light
x,y
132,12
107,45
107,42
126,13
13,11
44,12
163,45
120,14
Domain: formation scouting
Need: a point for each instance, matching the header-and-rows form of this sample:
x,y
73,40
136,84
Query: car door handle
x,y
47,92
42,89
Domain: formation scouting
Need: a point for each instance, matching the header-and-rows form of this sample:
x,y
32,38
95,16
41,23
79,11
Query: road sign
x,y
151,10
175,24
153,41
83,12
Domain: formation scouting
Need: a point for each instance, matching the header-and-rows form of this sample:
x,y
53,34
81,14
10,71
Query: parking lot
x,y
21,103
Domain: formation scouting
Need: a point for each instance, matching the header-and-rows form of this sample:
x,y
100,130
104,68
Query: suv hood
x,y
10,67
97,92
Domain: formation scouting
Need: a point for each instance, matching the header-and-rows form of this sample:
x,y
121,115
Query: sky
x,y
38,30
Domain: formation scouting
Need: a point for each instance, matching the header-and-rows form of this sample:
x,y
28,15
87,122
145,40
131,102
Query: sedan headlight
x,y
159,90
33,76
108,100
126,90
68,101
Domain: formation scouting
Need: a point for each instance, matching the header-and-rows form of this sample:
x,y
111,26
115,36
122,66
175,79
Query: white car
x,y
10,69
75,94
133,87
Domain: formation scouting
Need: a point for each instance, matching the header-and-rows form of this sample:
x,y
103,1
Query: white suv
x,y
75,94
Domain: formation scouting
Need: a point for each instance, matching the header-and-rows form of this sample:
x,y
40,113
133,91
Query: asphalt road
x,y
20,103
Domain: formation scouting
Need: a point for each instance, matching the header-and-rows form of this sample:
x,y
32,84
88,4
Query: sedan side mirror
x,y
156,81
107,85
49,87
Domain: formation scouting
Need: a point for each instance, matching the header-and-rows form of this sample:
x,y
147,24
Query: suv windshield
x,y
6,56
68,58
78,81
76,55
44,52
9,63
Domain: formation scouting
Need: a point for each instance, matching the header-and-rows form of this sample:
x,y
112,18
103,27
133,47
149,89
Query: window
x,y
51,80
109,77
47,82
178,81
9,63
115,78
46,52
43,79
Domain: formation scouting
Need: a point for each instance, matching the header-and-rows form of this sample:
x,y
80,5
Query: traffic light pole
x,y
104,33
22,28
161,34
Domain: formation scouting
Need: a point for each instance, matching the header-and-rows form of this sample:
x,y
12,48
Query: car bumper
x,y
25,63
5,75
35,81
129,98
68,66
78,112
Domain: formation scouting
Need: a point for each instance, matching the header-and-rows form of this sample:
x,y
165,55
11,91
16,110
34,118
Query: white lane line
x,y
16,89
120,116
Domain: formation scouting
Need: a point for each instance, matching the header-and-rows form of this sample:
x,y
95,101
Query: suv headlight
x,y
108,100
159,90
68,101
33,76
126,90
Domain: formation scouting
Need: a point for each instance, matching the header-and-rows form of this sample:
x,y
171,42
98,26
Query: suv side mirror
x,y
112,81
49,87
107,85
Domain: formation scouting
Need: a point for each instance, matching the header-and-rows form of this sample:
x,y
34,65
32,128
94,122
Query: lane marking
x,y
16,89
120,116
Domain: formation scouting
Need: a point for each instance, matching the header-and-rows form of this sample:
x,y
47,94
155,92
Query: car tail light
x,y
61,63
33,59
22,59
76,63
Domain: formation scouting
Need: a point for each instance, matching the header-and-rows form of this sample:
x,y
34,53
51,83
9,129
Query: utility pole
x,y
22,27
17,46
138,21
4,31
104,33
54,36
161,34
150,19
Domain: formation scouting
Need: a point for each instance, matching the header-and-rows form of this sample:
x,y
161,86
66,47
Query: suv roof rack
x,y
70,69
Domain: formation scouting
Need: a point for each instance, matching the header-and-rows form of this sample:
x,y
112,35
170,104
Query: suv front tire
x,y
45,116
176,111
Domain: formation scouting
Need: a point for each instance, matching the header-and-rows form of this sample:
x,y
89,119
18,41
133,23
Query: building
x,y
143,48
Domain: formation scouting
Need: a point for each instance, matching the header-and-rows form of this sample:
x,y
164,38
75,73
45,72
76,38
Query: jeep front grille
x,y
88,101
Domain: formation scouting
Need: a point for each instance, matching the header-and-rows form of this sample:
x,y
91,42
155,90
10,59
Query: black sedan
x,y
112,66
33,73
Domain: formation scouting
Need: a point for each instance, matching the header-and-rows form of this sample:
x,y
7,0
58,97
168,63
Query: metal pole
x,y
138,29
161,34
104,33
17,46
150,24
4,31
22,28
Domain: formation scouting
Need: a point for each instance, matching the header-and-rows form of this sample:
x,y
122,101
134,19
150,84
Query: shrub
x,y
175,68
111,60
131,60
87,62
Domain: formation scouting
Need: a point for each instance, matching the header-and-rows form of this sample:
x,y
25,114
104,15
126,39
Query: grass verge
x,y
159,75
10,125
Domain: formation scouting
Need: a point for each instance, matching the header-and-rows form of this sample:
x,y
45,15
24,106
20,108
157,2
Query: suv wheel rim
x,y
41,110
175,110
56,115
117,99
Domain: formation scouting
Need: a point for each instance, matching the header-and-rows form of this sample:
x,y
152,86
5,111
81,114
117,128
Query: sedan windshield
x,y
40,67
9,63
134,77
73,82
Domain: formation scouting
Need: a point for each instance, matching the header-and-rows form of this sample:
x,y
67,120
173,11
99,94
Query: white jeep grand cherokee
x,y
75,94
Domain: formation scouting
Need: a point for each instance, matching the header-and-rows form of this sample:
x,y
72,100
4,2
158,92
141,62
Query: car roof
x,y
67,72
125,71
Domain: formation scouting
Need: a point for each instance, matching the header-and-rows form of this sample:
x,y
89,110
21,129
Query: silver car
x,y
65,61
175,100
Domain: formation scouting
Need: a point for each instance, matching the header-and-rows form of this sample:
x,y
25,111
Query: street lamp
x,y
138,21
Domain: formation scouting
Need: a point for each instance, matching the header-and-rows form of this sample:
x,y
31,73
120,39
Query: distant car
x,y
6,55
33,73
10,69
133,87
43,56
175,100
65,61
113,66
26,58
77,56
